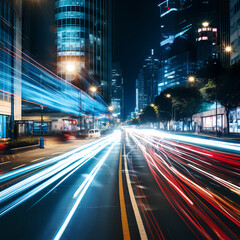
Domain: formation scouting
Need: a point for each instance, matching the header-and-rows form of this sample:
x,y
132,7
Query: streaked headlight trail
x,y
55,172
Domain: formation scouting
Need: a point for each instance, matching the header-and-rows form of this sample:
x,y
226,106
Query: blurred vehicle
x,y
66,136
3,147
94,133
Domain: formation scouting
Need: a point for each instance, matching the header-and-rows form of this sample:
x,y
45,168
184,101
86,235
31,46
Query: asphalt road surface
x,y
134,184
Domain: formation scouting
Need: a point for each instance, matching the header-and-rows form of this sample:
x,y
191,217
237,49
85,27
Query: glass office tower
x,y
10,67
83,38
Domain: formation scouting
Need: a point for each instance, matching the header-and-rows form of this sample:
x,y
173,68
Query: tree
x,y
186,100
148,115
225,87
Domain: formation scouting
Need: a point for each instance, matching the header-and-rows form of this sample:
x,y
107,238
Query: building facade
x,y
83,39
235,30
117,91
181,24
10,65
207,44
147,82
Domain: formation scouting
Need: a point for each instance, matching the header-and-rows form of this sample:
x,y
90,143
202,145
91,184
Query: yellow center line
x,y
125,227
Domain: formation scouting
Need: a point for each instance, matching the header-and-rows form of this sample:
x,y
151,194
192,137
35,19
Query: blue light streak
x,y
84,187
42,87
63,168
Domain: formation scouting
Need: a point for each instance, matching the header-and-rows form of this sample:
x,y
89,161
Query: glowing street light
x,y
152,105
110,108
168,95
93,89
205,24
70,68
191,79
228,49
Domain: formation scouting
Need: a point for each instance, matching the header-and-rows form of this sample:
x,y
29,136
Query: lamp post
x,y
71,69
227,49
173,109
111,109
41,120
93,90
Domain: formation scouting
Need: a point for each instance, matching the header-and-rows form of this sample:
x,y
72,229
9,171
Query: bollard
x,y
41,142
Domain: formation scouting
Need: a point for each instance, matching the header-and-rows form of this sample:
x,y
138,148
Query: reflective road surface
x,y
134,184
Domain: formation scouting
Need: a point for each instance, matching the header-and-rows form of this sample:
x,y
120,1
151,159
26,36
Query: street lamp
x,y
71,68
191,79
111,109
228,49
152,105
93,89
168,95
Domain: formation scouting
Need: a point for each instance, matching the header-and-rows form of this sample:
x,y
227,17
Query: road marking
x,y
5,163
56,153
38,159
18,166
141,228
125,227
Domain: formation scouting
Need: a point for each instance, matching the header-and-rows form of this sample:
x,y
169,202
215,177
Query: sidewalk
x,y
211,136
53,147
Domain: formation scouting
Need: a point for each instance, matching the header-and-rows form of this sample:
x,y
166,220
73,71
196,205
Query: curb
x,y
22,149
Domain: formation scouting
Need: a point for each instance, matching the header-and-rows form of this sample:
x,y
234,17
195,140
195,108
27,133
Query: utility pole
x,y
41,121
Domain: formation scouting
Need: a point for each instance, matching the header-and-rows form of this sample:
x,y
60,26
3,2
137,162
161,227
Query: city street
x,y
117,123
136,184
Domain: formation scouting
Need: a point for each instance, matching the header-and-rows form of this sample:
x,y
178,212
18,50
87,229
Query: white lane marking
x,y
38,159
19,166
5,162
141,228
56,153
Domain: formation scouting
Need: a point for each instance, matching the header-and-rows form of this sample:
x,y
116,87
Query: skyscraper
x,y
83,39
235,30
180,20
147,82
117,91
10,67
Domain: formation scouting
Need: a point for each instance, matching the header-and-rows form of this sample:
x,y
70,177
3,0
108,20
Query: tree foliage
x,y
224,85
148,115
187,101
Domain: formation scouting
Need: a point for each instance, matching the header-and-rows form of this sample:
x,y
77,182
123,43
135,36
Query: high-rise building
x,y
224,30
147,82
180,21
10,67
117,91
207,44
235,30
83,39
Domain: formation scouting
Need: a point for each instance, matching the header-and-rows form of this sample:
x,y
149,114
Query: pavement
x,y
53,147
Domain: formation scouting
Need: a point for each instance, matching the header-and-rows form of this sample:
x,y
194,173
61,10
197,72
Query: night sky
x,y
135,33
